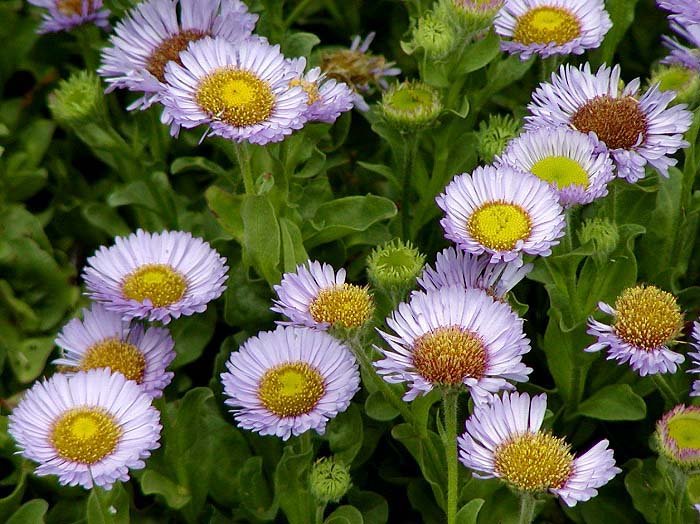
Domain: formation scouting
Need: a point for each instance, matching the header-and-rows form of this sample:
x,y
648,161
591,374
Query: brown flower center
x,y
619,122
72,7
169,51
448,355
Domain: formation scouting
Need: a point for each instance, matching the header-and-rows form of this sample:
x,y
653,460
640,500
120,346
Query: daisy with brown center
x,y
288,381
64,15
635,129
646,321
88,429
453,337
103,340
504,439
316,296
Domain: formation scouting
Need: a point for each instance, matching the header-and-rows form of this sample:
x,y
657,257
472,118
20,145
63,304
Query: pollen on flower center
x,y
448,355
618,122
169,51
647,317
117,355
85,435
310,88
292,389
534,462
546,24
499,226
561,171
72,7
346,305
159,283
236,97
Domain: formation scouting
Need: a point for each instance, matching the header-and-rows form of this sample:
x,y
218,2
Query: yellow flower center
x,y
346,305
647,317
169,51
85,435
290,390
684,429
534,462
117,355
159,283
545,25
499,226
561,171
448,355
72,7
618,122
310,88
236,97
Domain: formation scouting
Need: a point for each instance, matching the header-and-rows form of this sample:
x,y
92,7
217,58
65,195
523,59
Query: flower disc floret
x,y
117,355
346,305
85,435
449,355
159,283
499,226
545,24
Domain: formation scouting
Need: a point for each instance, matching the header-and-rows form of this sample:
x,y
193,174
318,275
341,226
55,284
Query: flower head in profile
x,y
155,32
327,98
454,267
686,10
551,27
318,297
646,320
288,381
566,159
505,440
241,92
451,337
503,212
156,276
684,54
88,429
64,15
103,340
695,357
359,69
678,436
636,129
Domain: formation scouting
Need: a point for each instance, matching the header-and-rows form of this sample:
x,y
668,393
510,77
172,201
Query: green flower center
x,y
684,429
561,171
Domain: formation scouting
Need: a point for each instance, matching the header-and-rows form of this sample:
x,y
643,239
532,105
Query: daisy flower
x,y
88,429
636,130
64,15
505,440
103,340
695,357
318,297
551,27
564,158
156,276
684,55
454,267
241,92
327,98
646,320
155,32
453,336
682,9
503,212
288,381
678,436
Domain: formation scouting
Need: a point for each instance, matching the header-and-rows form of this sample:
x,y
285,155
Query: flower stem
x,y
243,157
527,508
320,510
450,397
409,156
670,396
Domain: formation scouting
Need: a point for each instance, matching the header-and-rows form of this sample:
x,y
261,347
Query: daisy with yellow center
x,y
504,439
88,429
241,92
103,340
327,97
453,336
551,27
646,321
503,212
318,297
157,276
288,381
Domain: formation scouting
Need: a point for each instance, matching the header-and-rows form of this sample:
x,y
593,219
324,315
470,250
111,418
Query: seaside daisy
x,y
102,339
64,15
327,98
505,440
637,130
695,357
290,380
564,158
688,10
503,212
242,92
316,296
684,55
678,436
454,267
88,429
155,32
551,27
646,320
453,336
156,276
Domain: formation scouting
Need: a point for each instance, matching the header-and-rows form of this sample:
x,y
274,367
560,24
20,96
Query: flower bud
x,y
437,37
678,436
603,234
329,480
77,100
493,136
684,81
395,265
411,105
471,16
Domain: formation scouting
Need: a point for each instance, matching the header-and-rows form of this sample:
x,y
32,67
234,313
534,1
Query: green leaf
x,y
105,219
261,236
227,210
345,515
646,487
469,512
374,507
153,483
378,408
622,15
614,402
478,54
108,507
345,433
191,336
293,251
300,44
291,484
29,358
197,163
31,512
255,492
247,301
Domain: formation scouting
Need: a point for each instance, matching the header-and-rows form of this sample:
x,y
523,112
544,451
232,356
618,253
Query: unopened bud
x,y
411,105
77,100
494,135
437,37
603,235
329,480
684,81
395,265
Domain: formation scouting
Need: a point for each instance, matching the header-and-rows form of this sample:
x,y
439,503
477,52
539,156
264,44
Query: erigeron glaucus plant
x,y
349,262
